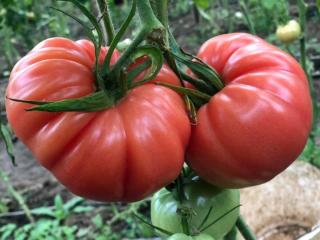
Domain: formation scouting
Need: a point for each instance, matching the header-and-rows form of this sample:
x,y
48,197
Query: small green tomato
x,y
289,32
200,197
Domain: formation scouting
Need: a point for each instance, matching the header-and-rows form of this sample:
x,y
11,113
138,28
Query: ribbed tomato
x,y
258,124
123,153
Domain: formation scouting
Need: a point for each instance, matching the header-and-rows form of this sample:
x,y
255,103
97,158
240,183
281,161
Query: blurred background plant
x,y
24,23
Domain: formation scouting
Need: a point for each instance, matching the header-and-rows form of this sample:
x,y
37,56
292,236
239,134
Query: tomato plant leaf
x,y
43,211
97,101
270,4
7,138
202,3
318,5
74,202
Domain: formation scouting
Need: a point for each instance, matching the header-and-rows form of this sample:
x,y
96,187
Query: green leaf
x,y
43,211
71,204
97,101
156,58
5,134
82,232
97,221
7,230
308,151
83,209
60,211
205,15
318,5
202,3
270,4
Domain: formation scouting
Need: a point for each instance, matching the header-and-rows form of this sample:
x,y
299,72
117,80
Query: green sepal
x,y
5,134
201,69
95,102
187,91
220,217
198,83
97,42
156,58
139,69
117,38
151,225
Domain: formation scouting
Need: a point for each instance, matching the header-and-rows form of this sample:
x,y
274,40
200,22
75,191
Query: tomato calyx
x,y
112,82
206,73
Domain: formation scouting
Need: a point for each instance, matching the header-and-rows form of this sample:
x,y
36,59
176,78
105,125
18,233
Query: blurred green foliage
x,y
23,23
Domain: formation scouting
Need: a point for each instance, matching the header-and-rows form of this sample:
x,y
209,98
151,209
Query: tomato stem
x,y
302,6
244,229
232,235
116,39
160,9
247,17
182,197
108,27
151,29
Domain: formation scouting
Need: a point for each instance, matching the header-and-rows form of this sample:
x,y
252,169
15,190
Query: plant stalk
x,y
247,16
16,196
182,197
151,28
244,229
302,7
108,27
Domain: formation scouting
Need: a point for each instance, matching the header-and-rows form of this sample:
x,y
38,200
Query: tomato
x,y
258,124
89,48
200,196
181,236
289,32
124,153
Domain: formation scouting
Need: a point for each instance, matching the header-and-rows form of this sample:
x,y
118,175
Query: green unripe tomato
x,y
289,32
200,196
181,236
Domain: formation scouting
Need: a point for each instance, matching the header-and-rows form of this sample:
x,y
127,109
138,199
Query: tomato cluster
x,y
246,134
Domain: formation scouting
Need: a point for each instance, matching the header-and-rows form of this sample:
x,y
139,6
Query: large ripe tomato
x,y
181,236
121,154
200,196
259,122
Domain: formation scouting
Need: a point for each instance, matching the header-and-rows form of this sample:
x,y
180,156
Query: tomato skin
x,y
89,48
200,196
258,124
181,236
113,155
